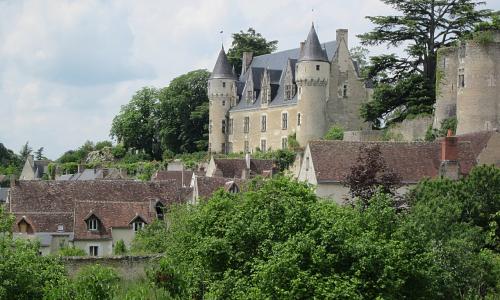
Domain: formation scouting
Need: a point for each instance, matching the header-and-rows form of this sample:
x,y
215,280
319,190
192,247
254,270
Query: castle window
x,y
344,90
223,102
299,116
461,80
284,143
263,145
317,67
230,127
249,96
223,84
247,147
288,92
263,123
223,126
246,125
284,120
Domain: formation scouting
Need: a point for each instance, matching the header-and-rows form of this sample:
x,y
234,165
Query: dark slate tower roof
x,y
312,48
222,67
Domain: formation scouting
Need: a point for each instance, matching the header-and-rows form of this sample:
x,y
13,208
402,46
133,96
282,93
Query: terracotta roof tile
x,y
174,175
208,185
233,168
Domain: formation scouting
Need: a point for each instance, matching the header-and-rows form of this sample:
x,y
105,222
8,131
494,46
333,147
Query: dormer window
x,y
93,224
250,96
288,92
138,225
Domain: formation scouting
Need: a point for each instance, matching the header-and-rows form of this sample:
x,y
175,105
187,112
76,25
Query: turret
x,y
313,72
222,96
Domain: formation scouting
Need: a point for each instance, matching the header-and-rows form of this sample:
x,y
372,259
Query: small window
x,y
138,225
223,102
284,143
263,145
317,67
60,228
344,91
284,121
246,125
461,80
307,163
94,250
223,126
223,84
159,210
288,92
263,123
93,224
299,116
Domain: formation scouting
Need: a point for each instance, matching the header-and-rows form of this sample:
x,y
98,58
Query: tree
x,y
25,151
183,113
360,55
136,126
369,174
39,154
249,41
335,132
120,248
422,26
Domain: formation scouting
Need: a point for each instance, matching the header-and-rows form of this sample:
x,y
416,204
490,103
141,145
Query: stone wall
x,y
128,267
410,130
363,135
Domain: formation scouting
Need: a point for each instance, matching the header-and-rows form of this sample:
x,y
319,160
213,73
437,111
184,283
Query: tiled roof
x,y
174,175
233,168
111,214
208,185
48,203
332,160
45,221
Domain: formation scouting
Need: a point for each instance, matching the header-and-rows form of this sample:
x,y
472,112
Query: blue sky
x,y
67,66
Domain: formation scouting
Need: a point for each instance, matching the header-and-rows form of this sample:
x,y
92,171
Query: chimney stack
x,y
247,60
450,167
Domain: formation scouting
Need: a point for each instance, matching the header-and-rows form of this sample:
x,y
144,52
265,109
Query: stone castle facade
x,y
468,85
300,91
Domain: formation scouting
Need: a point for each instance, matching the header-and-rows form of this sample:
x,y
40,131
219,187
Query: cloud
x,y
67,66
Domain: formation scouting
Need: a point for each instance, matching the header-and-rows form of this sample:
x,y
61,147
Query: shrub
x,y
96,282
120,248
71,251
335,132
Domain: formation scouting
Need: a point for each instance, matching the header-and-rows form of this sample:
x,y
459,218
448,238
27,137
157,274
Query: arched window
x,y
159,208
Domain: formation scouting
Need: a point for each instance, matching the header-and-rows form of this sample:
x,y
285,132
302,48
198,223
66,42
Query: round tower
x,y
221,95
312,77
478,97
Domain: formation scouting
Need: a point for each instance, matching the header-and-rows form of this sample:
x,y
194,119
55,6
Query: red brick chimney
x,y
450,167
449,147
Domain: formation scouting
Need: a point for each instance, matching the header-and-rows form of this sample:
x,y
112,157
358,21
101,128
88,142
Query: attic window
x,y
159,210
93,224
138,224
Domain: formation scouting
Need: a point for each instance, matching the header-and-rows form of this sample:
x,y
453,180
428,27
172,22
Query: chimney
x,y
450,167
342,35
301,49
13,181
247,60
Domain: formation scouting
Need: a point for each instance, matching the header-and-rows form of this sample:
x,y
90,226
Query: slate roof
x,y
209,185
94,174
312,48
4,192
111,214
414,161
222,68
233,167
48,203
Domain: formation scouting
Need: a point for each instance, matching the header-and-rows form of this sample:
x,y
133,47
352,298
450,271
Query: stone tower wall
x,y
221,93
446,85
313,87
478,101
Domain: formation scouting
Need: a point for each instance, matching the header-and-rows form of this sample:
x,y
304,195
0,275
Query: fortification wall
x,y
127,267
446,85
363,135
410,130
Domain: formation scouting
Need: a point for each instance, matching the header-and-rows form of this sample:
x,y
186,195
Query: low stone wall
x,y
363,136
128,267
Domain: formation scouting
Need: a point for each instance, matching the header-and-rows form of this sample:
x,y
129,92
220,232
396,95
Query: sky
x,y
67,66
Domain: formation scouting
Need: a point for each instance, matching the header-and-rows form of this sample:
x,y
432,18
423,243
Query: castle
x,y
468,84
301,91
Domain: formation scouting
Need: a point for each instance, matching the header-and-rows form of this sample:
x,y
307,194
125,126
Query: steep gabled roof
x,y
233,167
312,48
222,68
208,185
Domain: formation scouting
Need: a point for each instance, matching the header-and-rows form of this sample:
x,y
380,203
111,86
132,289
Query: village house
x,y
90,215
203,187
243,168
325,164
34,169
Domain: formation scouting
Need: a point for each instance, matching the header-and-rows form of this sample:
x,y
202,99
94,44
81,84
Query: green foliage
x,y
360,54
144,290
293,144
39,154
150,239
447,124
10,163
118,151
336,132
120,248
102,144
71,251
250,41
96,282
406,84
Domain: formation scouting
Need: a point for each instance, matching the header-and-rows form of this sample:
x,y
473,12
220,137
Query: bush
x,y
120,248
144,290
335,132
118,151
71,251
96,282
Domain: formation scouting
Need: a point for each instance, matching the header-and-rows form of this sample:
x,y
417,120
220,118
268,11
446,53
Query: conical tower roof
x,y
312,48
222,67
